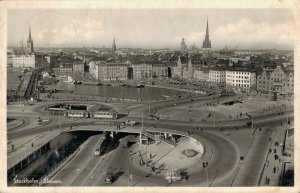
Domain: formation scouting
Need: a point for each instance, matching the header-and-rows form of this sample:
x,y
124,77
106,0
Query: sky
x,y
152,28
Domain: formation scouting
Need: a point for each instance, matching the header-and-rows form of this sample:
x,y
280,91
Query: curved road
x,y
86,169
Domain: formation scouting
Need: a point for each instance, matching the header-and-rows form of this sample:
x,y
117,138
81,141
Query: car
x,y
108,178
249,123
152,117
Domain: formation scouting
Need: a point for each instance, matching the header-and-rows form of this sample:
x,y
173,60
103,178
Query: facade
x,y
217,77
206,42
264,81
242,80
94,69
201,75
78,66
289,82
109,71
141,71
23,61
278,80
66,68
159,70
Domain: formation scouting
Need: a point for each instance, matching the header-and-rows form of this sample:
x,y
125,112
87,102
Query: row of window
x,y
245,81
263,82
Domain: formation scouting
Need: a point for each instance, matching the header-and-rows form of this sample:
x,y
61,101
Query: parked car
x,y
108,178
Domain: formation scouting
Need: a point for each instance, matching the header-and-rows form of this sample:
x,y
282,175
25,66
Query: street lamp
x,y
207,176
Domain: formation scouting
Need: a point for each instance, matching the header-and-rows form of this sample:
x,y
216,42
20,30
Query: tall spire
x,y
206,42
207,34
29,37
114,47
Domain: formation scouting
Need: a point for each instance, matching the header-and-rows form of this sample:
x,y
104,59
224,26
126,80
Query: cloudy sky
x,y
153,28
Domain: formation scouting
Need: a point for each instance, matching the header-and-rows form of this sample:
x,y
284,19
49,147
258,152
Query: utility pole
x,y
59,119
252,124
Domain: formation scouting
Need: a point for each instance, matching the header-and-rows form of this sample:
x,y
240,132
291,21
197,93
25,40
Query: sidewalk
x,y
274,162
253,163
25,146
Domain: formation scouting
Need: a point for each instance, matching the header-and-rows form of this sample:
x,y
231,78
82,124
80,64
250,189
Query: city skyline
x,y
154,28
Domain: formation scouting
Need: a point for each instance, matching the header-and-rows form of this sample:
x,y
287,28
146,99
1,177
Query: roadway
x,y
92,169
86,169
175,124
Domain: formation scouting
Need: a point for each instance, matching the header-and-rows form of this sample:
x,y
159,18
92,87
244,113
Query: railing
x,y
54,170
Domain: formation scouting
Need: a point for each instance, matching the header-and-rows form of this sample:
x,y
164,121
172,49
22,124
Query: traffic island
x,y
159,158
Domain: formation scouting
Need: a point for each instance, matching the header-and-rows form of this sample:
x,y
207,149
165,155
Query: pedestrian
x,y
274,169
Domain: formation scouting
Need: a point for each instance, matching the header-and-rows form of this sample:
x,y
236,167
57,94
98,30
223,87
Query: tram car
x,y
104,115
76,114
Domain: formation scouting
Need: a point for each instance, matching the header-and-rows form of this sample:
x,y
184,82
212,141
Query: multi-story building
x,y
66,68
159,70
141,71
201,75
279,80
217,77
242,80
289,82
23,61
78,66
264,81
94,68
109,71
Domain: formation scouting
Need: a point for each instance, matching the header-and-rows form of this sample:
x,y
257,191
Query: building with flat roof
x,y
78,66
242,79
23,61
217,77
109,71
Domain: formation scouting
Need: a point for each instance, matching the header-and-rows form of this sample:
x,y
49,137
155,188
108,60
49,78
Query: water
x,y
146,93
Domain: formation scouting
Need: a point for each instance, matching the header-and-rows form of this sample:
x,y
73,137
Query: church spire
x,y
114,47
207,33
30,42
29,37
206,42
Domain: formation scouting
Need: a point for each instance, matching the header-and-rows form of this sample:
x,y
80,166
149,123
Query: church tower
x,y
114,47
30,42
183,46
206,42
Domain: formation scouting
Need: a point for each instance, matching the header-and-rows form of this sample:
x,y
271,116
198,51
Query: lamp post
x,y
207,177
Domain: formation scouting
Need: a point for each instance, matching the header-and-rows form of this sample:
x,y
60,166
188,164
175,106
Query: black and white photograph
x,y
156,97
